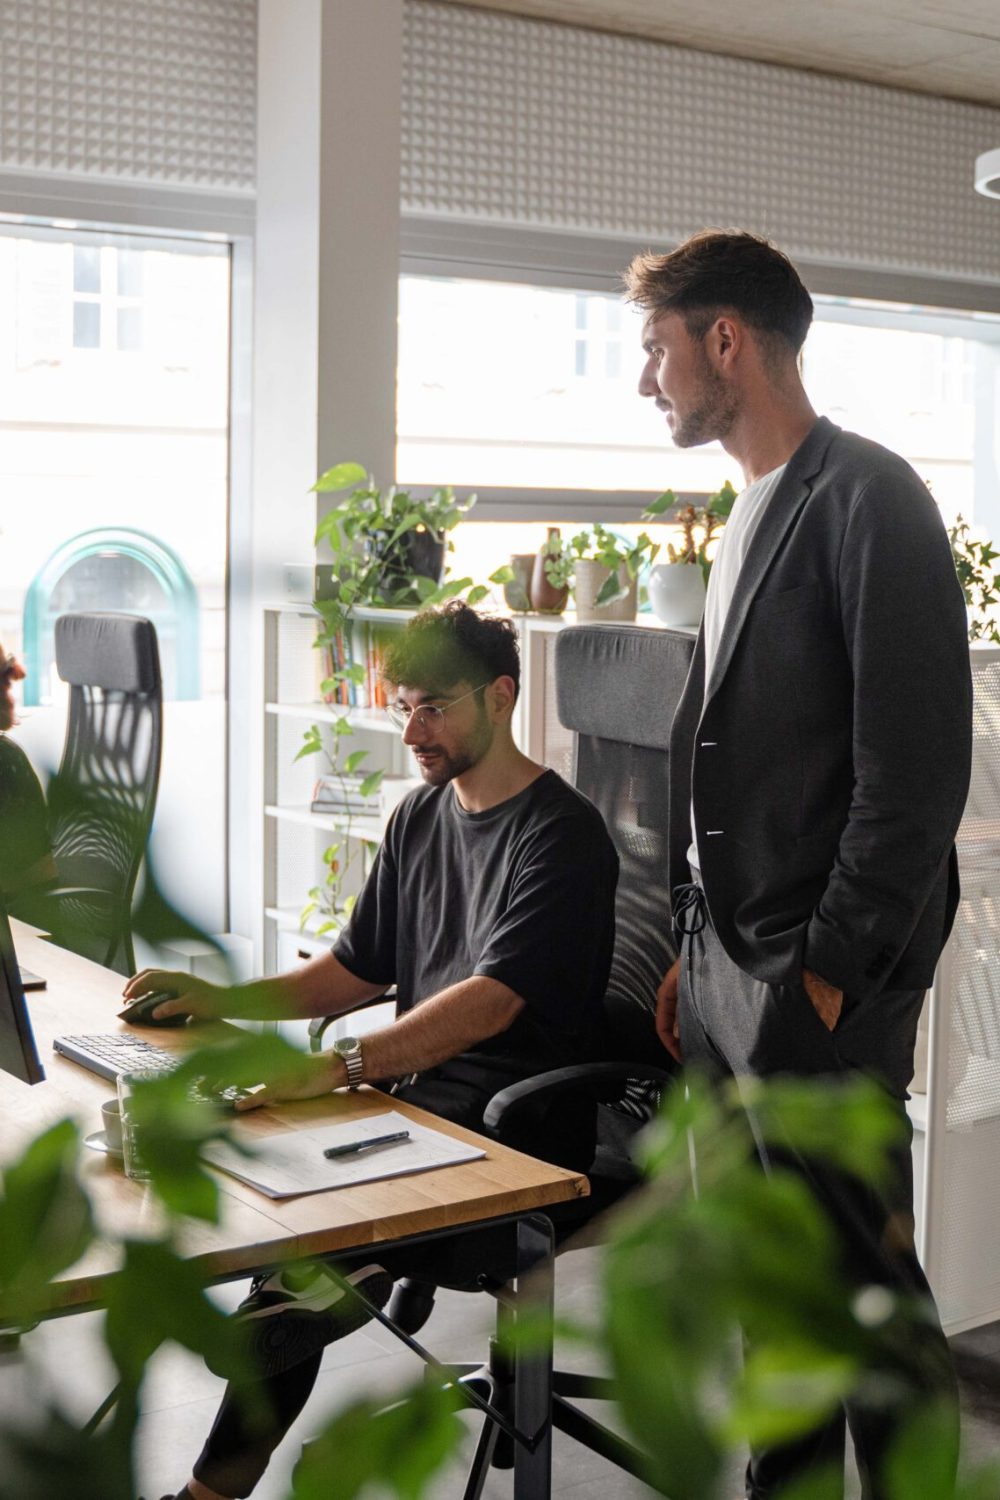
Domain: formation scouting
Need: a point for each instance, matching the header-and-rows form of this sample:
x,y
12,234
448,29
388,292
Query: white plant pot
x,y
589,578
677,593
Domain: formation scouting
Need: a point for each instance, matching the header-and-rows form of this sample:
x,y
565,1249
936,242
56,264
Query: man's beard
x,y
712,417
447,766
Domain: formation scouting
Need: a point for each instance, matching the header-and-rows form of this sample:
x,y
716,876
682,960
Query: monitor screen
x,y
18,1055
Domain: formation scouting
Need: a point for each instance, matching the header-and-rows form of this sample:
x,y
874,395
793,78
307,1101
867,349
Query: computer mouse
x,y
140,1012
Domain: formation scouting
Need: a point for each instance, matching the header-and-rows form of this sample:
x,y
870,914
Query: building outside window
x,y
114,478
107,298
528,388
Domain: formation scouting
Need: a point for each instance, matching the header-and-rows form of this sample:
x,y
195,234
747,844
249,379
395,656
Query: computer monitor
x,y
18,1054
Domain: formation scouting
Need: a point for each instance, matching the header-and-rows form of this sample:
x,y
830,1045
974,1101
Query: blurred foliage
x,y
696,1255
398,1448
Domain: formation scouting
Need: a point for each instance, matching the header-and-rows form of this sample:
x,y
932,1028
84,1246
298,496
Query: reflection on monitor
x,y
18,1054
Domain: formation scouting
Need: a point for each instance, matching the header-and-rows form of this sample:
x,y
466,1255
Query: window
x,y
114,388
513,386
107,298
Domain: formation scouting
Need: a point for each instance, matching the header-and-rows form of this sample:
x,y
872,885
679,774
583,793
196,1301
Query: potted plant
x,y
389,544
605,571
677,588
389,550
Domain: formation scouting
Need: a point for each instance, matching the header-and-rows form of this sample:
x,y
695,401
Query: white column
x,y
326,269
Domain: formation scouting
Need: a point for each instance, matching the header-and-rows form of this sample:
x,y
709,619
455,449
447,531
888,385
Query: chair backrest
x,y
617,690
103,799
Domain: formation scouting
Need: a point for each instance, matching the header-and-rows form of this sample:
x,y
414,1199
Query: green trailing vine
x,y
980,580
369,532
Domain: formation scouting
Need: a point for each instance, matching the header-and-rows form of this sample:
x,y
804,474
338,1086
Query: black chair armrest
x,y
318,1025
597,1081
78,892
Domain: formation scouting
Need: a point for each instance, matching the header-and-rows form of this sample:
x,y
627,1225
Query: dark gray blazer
x,y
830,764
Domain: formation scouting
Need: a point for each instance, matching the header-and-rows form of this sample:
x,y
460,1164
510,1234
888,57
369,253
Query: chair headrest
x,y
109,651
622,682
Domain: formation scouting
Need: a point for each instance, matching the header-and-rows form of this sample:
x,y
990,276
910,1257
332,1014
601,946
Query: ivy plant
x,y
980,580
368,532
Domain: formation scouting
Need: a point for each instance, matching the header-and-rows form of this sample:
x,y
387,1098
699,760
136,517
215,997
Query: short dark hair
x,y
449,644
719,271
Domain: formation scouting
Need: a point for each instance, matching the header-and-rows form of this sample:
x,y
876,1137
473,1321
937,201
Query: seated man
x,y
490,906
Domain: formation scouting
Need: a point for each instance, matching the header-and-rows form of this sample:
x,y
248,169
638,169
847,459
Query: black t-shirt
x,y
522,893
25,851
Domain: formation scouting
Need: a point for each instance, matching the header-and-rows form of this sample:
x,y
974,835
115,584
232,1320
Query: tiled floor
x,y
181,1397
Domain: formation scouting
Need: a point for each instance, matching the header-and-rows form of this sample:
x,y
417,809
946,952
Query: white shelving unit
x,y
957,1140
294,837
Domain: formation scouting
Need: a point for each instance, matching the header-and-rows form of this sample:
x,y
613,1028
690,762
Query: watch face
x,y
346,1044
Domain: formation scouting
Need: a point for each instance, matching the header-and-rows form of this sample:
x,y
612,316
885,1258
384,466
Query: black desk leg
x,y
533,1367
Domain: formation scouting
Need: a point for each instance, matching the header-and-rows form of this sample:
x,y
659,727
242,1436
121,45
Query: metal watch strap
x,y
354,1063
355,1068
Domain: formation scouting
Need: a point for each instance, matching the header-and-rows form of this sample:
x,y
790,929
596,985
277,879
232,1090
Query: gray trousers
x,y
731,1026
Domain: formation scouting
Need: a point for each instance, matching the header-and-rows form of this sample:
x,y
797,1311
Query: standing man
x,y
820,753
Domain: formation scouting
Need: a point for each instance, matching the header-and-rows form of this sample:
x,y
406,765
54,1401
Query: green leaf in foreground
x,y
51,1456
45,1220
158,1296
397,1449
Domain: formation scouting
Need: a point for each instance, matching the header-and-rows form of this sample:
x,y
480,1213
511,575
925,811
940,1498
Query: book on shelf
x,y
336,794
343,793
360,650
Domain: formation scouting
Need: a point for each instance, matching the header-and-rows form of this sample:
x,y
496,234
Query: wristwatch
x,y
349,1048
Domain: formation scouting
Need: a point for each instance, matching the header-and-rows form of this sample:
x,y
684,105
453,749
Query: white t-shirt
x,y
734,544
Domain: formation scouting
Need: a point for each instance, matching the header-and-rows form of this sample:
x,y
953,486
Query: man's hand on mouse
x,y
192,997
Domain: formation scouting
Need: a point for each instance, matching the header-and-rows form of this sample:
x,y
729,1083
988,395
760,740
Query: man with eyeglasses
x,y
490,907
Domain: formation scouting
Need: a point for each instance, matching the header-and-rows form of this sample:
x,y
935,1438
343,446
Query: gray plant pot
x,y
589,579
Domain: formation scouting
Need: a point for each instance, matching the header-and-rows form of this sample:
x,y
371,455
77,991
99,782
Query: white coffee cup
x,y
112,1117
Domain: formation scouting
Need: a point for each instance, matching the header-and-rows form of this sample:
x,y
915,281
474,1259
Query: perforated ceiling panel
x,y
524,122
147,91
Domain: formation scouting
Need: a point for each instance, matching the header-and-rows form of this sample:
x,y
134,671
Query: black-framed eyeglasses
x,y
428,715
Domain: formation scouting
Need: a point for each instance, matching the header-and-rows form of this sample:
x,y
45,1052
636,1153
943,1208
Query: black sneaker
x,y
297,1311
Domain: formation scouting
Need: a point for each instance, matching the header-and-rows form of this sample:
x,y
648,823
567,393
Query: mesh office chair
x,y
617,689
101,801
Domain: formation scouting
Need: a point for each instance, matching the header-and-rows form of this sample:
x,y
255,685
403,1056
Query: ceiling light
x,y
988,174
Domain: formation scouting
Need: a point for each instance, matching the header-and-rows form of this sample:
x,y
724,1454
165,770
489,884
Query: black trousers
x,y
734,1026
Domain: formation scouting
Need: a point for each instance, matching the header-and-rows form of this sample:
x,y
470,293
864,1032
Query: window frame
x,y
575,262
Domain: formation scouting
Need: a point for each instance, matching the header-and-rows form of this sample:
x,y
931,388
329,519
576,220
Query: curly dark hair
x,y
449,644
719,271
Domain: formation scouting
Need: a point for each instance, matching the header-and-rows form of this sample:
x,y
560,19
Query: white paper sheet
x,y
292,1163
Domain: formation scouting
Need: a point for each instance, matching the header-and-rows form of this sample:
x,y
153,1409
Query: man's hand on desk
x,y
314,1076
826,1001
666,1011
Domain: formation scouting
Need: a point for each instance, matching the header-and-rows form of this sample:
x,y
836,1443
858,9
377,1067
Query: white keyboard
x,y
116,1053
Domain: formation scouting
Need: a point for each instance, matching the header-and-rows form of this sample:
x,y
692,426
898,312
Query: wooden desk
x,y
255,1232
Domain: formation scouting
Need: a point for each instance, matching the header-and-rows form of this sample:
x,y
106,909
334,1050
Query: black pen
x,y
351,1148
